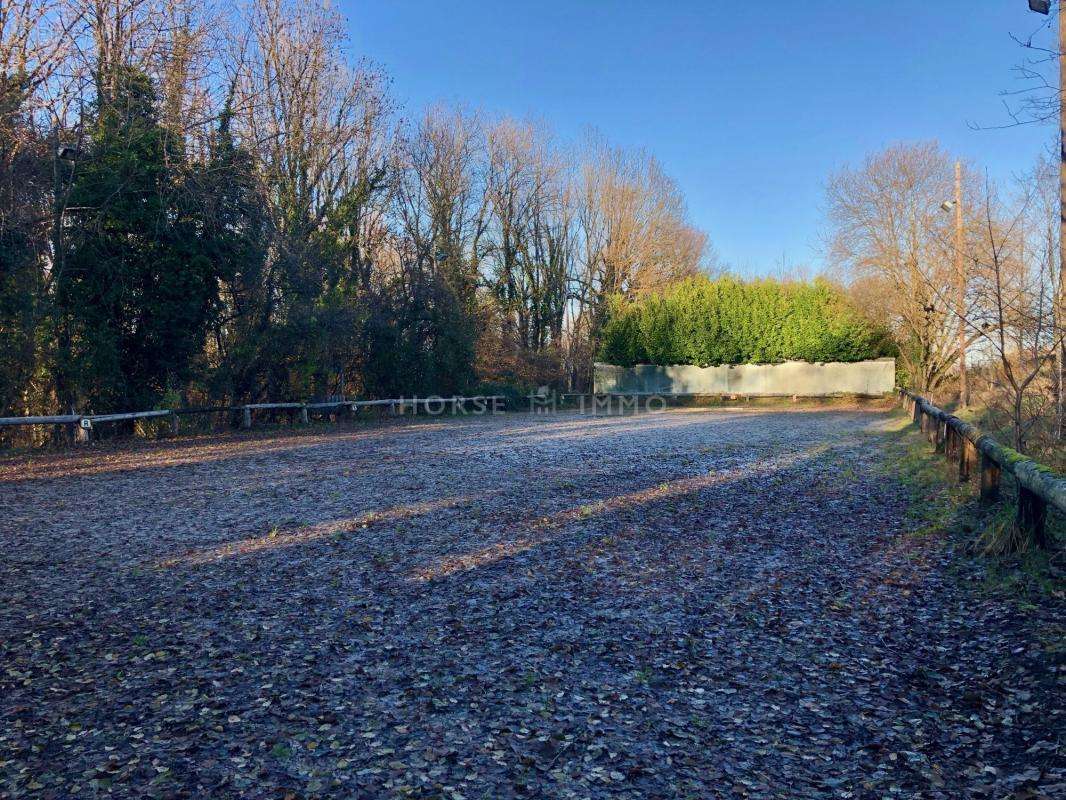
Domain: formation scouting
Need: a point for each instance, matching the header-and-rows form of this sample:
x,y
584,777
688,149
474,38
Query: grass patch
x,y
941,505
937,500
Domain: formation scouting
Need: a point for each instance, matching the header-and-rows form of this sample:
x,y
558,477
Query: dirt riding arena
x,y
682,604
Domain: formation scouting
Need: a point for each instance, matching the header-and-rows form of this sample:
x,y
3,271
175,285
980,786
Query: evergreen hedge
x,y
730,321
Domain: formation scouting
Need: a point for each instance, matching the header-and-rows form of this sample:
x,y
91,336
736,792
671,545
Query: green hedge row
x,y
730,321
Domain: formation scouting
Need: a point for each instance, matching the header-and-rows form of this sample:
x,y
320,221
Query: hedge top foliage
x,y
729,321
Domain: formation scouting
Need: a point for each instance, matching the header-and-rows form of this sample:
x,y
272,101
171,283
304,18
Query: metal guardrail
x,y
1038,486
83,423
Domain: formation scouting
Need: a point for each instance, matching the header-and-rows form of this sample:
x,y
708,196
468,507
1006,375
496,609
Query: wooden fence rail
x,y
82,424
961,442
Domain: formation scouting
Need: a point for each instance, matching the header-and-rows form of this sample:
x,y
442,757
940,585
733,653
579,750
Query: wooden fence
x,y
959,441
83,424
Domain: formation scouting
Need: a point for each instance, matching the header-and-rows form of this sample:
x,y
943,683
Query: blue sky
x,y
749,105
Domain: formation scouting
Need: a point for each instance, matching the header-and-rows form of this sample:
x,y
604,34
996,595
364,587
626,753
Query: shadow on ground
x,y
687,604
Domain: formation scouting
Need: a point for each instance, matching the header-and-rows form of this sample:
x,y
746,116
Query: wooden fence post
x,y
173,424
1037,486
246,417
1032,517
303,416
989,479
967,457
83,433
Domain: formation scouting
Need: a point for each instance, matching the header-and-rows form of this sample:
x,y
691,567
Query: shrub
x,y
730,321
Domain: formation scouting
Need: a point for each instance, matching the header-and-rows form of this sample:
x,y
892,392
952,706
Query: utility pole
x,y
1060,311
960,277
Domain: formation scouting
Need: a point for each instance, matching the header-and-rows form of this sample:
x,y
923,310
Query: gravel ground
x,y
690,604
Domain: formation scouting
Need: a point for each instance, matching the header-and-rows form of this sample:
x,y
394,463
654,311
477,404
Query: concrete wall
x,y
792,377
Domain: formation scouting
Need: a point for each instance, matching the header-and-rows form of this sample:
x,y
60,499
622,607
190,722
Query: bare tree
x,y
633,236
316,125
318,131
1038,100
1015,282
892,240
532,242
637,236
33,44
440,197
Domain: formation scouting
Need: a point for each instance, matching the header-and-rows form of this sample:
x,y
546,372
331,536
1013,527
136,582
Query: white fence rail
x,y
83,424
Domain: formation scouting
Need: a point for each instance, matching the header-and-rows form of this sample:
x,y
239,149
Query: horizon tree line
x,y
203,203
